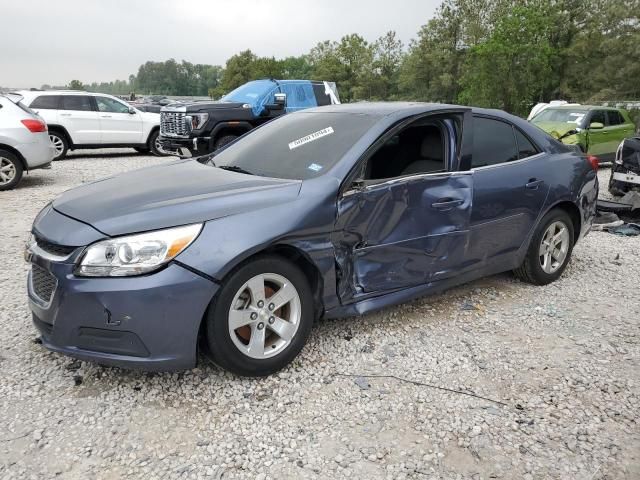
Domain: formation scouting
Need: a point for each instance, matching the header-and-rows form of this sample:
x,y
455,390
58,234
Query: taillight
x,y
593,161
34,126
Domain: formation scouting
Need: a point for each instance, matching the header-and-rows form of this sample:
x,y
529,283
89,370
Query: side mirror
x,y
280,99
596,126
132,111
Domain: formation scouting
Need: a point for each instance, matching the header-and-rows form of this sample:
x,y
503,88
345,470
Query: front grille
x,y
42,282
54,249
173,124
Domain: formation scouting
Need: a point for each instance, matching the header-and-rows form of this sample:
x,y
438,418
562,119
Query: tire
x,y
11,170
59,141
541,270
224,140
153,145
254,349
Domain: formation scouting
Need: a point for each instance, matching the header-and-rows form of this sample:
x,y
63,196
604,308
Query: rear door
x,y
47,106
510,186
618,129
78,115
117,124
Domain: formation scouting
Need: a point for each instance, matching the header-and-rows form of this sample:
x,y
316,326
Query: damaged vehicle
x,y
593,129
625,171
327,212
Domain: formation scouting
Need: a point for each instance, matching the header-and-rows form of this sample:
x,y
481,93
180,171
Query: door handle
x,y
65,114
445,204
105,116
533,184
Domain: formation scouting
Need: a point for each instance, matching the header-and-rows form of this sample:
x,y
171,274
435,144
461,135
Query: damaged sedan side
x,y
333,211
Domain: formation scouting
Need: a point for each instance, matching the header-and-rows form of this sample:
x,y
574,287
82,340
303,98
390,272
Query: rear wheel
x,y
10,170
549,251
261,318
60,144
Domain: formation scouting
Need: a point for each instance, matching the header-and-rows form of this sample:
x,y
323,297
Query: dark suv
x,y
202,127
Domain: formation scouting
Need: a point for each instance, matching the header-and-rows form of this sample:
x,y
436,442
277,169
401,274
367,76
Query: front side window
x,y
106,104
493,142
77,102
598,116
296,146
46,102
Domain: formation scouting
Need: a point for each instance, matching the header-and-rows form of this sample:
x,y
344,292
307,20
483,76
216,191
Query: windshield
x,y
296,146
249,92
560,116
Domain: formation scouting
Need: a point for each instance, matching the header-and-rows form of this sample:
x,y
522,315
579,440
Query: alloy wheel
x,y
264,316
57,143
7,171
554,247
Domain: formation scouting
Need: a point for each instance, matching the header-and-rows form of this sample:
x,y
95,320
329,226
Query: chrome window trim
x,y
503,164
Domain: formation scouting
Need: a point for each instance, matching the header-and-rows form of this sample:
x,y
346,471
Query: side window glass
x,y
598,116
615,118
46,102
525,147
493,142
418,149
106,104
76,102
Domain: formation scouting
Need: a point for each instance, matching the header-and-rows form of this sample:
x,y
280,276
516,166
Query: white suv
x,y
24,141
93,120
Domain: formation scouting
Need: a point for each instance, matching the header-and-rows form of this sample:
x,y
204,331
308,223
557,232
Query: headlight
x,y
197,120
135,254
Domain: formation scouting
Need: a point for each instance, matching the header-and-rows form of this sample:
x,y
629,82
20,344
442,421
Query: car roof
x,y
380,109
38,93
578,108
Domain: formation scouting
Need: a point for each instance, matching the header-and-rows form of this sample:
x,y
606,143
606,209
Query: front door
x,y
402,233
118,125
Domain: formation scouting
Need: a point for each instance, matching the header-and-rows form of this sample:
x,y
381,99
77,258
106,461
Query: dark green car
x,y
597,130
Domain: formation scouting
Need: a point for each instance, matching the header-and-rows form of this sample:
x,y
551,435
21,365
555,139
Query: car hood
x,y
208,106
177,193
555,129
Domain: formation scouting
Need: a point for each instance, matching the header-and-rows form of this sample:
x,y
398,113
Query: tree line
x,y
506,54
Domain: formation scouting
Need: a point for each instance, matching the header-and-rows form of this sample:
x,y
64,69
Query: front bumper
x,y
186,147
149,322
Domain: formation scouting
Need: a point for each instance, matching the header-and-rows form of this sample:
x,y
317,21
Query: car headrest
x,y
431,147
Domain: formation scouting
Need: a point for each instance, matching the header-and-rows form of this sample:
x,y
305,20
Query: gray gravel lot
x,y
561,363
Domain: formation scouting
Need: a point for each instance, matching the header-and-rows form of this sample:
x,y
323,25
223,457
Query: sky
x,y
53,42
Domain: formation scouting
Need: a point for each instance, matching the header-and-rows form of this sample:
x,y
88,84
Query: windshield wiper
x,y
235,168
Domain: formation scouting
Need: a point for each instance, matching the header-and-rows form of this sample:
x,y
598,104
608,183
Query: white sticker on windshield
x,y
315,167
311,137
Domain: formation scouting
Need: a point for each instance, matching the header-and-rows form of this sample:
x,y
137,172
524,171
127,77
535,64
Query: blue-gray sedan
x,y
328,212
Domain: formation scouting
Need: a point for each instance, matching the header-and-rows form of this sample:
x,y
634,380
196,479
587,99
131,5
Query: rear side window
x,y
77,102
615,118
525,147
46,102
493,142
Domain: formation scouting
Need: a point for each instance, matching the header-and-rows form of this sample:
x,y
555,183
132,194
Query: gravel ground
x,y
558,365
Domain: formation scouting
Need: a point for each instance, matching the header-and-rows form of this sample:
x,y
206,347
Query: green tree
x,y
75,85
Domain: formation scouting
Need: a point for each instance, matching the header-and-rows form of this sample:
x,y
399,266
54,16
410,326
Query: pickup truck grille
x,y
173,124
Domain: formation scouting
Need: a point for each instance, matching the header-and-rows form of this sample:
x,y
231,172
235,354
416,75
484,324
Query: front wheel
x,y
224,141
549,251
261,318
154,144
